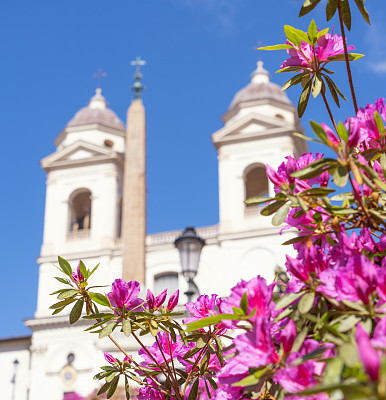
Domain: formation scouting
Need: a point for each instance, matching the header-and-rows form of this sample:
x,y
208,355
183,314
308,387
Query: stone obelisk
x,y
134,187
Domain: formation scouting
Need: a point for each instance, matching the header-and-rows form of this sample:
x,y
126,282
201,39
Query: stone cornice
x,y
84,128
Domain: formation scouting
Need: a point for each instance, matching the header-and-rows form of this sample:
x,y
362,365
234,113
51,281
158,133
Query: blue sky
x,y
198,53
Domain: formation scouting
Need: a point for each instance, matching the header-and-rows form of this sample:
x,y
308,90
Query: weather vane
x,y
99,75
138,87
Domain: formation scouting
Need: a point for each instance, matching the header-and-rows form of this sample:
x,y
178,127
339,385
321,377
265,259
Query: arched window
x,y
167,281
256,181
80,210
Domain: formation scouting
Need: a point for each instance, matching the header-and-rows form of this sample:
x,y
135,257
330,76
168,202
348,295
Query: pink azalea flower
x,y
173,300
77,276
282,177
259,296
367,354
125,294
150,392
203,307
328,45
167,349
256,347
110,359
288,336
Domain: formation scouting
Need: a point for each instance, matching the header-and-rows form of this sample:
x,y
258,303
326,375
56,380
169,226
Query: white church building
x,y
85,215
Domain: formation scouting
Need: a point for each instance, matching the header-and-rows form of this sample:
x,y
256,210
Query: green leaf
x,y
306,302
273,207
303,100
58,310
322,33
107,330
258,200
287,299
310,356
295,80
304,137
328,79
342,132
292,68
281,215
341,57
295,36
65,266
76,311
318,191
300,338
212,382
314,169
340,176
308,6
346,13
100,299
333,92
93,270
276,47
333,372
63,280
113,387
212,320
83,269
219,350
331,8
104,388
379,123
251,379
194,390
361,7
348,353
312,31
127,388
348,323
153,327
68,293
126,327
62,303
244,303
316,85
319,132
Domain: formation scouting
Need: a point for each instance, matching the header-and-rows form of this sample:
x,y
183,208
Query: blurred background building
x,y
96,211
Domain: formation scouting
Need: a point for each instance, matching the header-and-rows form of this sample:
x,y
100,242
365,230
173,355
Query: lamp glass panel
x,y
190,251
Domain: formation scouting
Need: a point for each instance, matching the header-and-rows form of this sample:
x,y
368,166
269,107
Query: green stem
x,y
328,109
346,58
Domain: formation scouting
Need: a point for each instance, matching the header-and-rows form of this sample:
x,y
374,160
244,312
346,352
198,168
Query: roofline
x,y
80,128
237,107
23,338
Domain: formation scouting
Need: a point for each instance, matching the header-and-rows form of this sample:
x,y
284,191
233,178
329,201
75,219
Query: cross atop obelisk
x,y
99,75
138,87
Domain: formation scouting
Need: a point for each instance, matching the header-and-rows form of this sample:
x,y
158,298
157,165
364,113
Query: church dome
x,y
260,88
97,112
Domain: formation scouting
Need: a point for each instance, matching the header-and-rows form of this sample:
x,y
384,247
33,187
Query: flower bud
x,y
109,358
150,300
173,300
159,300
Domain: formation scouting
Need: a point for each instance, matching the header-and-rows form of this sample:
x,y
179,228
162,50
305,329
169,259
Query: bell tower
x,y
258,130
83,194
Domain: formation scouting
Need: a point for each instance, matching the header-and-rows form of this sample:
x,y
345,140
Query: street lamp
x,y
189,246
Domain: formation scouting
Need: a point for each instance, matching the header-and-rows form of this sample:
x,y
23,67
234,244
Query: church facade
x,y
94,206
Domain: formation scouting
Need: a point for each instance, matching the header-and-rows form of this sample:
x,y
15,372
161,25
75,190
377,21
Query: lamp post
x,y
189,245
13,379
